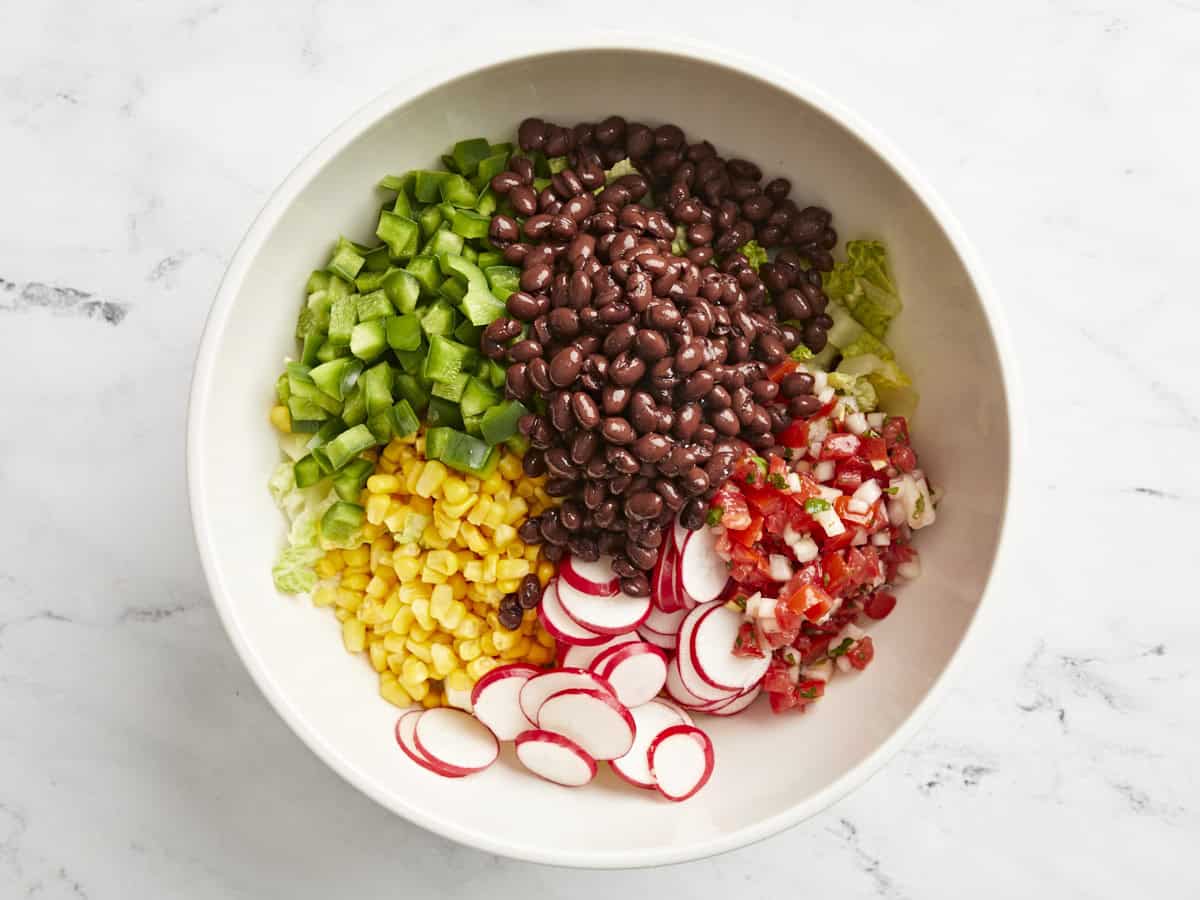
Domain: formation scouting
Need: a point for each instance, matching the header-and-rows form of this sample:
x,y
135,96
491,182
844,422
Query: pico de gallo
x,y
817,534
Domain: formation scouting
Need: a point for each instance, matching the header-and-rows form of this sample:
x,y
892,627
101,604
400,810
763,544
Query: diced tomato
x,y
795,435
861,654
808,488
874,450
810,689
817,602
778,679
838,541
840,446
904,459
777,466
850,473
864,565
838,575
751,534
766,500
781,371
812,647
895,431
880,605
782,701
735,514
746,643
896,554
746,470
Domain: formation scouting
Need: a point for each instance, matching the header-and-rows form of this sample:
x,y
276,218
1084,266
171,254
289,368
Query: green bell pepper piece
x,y
348,445
338,288
302,386
307,471
342,521
479,305
307,417
438,318
346,260
342,319
457,191
491,166
317,281
375,260
404,419
402,289
503,280
311,347
469,224
354,410
453,289
466,453
412,361
443,241
452,390
442,412
427,185
409,389
468,334
500,421
403,332
430,219
399,233
477,397
425,270
349,482
374,305
468,154
368,340
377,388
329,351
447,359
337,376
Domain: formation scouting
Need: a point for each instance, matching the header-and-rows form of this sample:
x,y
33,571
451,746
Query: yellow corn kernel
x,y
539,655
455,490
281,419
433,539
406,568
518,650
394,451
418,650
508,569
508,585
372,530
439,602
454,615
414,671
492,484
406,551
443,561
395,662
386,466
545,638
470,535
432,476
342,614
545,571
456,510
429,576
531,552
418,634
403,621
473,571
354,635
459,680
490,562
377,506
479,510
326,568
516,510
383,484
492,595
447,530
378,656
444,660
458,586
348,600
432,699
356,582
488,645
418,691
503,495
524,489
503,640
420,608
503,536
422,505
391,691
412,473
470,627
359,556
510,467
394,642
495,514
477,668
391,606
376,588
411,591
325,595
469,650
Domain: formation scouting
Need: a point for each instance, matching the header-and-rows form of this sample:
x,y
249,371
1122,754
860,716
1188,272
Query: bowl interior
x,y
771,771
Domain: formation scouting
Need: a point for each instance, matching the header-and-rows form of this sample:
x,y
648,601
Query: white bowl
x,y
771,772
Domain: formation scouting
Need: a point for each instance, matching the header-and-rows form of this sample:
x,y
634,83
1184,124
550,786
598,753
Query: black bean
x,y
565,366
613,400
626,370
803,406
650,345
622,460
642,557
584,446
524,200
617,430
530,591
698,385
795,384
564,322
651,447
815,337
638,585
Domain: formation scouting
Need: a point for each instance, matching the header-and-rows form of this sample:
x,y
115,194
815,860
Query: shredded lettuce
x,y
753,252
557,163
679,246
857,387
864,284
293,571
867,344
883,373
801,353
622,167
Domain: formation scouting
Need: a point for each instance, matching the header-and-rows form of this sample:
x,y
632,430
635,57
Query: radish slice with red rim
x,y
695,684
594,720
618,614
679,692
664,622
666,642
681,761
455,741
405,727
580,657
637,672
496,702
679,534
595,578
561,626
683,713
711,644
663,589
702,571
738,704
651,719
535,691
555,758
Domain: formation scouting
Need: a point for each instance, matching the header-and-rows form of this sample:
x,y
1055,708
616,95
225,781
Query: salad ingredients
x,y
637,672
681,761
650,720
495,699
454,741
555,758
595,720
539,688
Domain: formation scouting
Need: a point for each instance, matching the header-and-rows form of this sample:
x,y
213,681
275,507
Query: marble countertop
x,y
138,141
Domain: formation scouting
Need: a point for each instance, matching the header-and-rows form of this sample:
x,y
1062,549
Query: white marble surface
x,y
137,759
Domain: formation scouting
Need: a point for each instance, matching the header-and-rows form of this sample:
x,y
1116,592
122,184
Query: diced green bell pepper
x,y
469,224
336,377
307,417
438,318
427,185
348,445
442,412
317,281
457,191
491,166
370,281
349,482
375,261
465,453
477,397
354,410
342,319
377,388
326,433
468,154
307,471
500,421
302,386
368,340
425,270
408,388
402,289
503,280
404,419
430,219
447,359
468,334
346,260
453,289
374,305
338,288
403,332
311,347
489,258
443,241
492,372
329,350
486,205
452,390
342,521
399,233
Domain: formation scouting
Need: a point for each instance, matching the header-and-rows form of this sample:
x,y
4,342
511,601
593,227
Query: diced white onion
x,y
793,482
856,423
818,431
910,569
829,521
843,664
859,507
826,395
859,539
820,381
876,420
805,549
829,493
881,539
868,492
802,466
854,632
766,609
821,671
753,603
781,569
768,626
824,470
790,535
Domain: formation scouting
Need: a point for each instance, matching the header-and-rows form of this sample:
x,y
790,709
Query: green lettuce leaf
x,y
753,252
801,353
857,387
883,373
293,572
864,283
622,167
679,246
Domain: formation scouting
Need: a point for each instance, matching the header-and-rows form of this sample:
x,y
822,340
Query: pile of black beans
x,y
651,367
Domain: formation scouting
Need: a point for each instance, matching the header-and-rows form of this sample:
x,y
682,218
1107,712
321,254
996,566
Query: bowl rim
x,y
260,229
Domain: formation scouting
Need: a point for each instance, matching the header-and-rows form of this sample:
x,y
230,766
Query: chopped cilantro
x,y
841,649
919,509
714,515
778,482
815,505
809,693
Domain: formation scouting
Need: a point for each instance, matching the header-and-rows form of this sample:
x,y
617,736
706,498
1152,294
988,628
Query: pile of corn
x,y
425,611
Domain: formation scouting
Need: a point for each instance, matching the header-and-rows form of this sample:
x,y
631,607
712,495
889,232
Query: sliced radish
x,y
679,534
580,657
405,727
702,572
555,758
594,578
679,692
695,684
665,622
560,625
711,644
683,713
618,614
664,589
594,720
738,704
535,691
651,719
637,672
681,761
496,699
665,641
452,740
